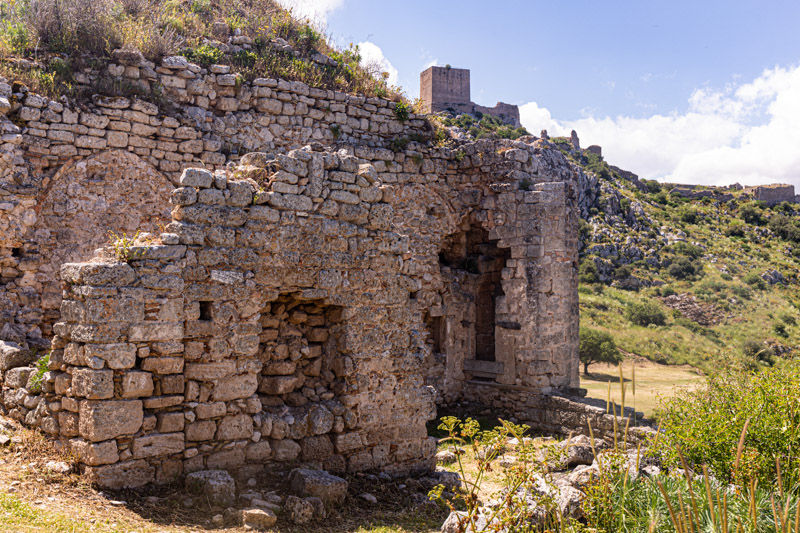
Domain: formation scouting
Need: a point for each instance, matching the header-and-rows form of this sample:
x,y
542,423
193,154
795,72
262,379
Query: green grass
x,y
19,516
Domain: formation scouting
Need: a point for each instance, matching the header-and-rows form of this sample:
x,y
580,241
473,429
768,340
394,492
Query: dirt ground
x,y
33,498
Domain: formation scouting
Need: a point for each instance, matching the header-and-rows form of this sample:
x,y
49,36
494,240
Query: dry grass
x,y
653,382
33,500
38,29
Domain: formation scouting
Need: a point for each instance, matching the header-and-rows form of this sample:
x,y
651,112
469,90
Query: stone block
x,y
285,450
158,445
95,454
200,431
103,420
278,384
216,486
210,410
127,475
259,519
197,177
137,384
235,387
118,356
329,488
235,428
93,384
12,355
17,378
163,365
316,448
258,452
170,422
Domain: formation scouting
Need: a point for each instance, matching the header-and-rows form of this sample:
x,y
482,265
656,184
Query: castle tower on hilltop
x,y
448,89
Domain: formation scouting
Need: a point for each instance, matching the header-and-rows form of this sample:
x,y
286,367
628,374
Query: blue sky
x,y
700,92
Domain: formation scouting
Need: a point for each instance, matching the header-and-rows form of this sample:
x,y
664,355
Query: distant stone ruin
x,y
309,302
448,88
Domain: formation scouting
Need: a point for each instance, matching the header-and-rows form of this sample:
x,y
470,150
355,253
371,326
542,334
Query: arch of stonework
x,y
86,199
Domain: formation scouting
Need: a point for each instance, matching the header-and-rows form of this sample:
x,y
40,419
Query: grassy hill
x,y
718,274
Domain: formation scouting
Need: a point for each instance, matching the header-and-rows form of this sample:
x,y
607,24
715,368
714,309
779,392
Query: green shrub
x,y
204,55
667,291
757,351
646,313
688,250
751,213
623,272
597,346
687,215
755,281
587,271
780,329
707,423
735,229
788,319
685,268
401,111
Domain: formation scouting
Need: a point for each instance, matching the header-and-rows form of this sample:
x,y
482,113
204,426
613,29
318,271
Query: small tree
x,y
597,347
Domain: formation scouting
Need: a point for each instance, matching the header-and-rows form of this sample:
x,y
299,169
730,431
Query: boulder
x,y
258,518
298,510
327,487
12,355
215,485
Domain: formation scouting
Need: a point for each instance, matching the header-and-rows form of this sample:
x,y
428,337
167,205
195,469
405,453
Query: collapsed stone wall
x,y
308,305
281,315
207,118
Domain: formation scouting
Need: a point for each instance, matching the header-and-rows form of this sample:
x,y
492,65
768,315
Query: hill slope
x,y
720,267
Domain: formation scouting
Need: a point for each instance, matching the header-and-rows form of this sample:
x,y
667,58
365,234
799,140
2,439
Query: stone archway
x,y
112,191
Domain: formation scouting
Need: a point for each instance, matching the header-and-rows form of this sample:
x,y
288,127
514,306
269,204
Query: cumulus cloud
x,y
373,59
316,10
747,133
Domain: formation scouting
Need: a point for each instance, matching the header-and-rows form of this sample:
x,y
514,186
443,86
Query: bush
x,y
755,281
684,268
667,291
687,215
587,272
646,313
687,250
780,329
757,352
751,213
707,423
735,229
597,347
785,228
623,272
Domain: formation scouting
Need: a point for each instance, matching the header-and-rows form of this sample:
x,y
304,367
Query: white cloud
x,y
316,10
748,133
372,57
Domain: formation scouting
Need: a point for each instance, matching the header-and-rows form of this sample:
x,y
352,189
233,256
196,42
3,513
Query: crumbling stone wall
x,y
282,315
210,117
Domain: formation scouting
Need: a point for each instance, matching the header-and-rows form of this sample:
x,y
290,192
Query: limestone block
x,y
226,459
157,445
209,371
17,378
298,510
330,489
117,356
320,420
258,452
170,422
285,450
197,177
278,384
13,355
118,274
163,365
103,420
201,430
235,428
137,384
258,518
155,331
95,454
316,448
93,384
210,410
235,387
127,475
68,424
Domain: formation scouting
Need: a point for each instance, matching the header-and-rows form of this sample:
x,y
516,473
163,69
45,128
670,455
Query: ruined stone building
x,y
309,302
448,89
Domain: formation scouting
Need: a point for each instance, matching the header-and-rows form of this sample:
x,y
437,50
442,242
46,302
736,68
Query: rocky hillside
x,y
683,274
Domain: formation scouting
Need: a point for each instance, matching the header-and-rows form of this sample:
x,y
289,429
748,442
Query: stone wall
x,y
306,305
772,194
209,117
281,315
